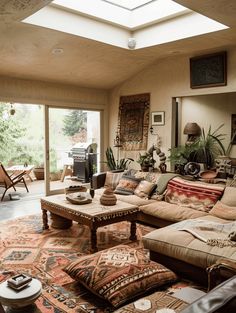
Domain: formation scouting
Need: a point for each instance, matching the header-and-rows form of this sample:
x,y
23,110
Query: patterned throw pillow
x,y
112,179
196,195
127,185
119,274
224,211
144,189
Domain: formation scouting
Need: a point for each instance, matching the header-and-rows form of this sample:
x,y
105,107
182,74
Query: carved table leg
x,y
133,230
94,240
45,219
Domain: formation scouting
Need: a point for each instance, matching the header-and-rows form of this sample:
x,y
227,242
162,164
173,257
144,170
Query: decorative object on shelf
x,y
79,198
192,168
208,70
108,197
158,118
134,121
223,166
76,188
193,131
147,160
19,281
208,175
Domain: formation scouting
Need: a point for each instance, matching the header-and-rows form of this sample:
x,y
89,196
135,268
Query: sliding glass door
x,y
72,147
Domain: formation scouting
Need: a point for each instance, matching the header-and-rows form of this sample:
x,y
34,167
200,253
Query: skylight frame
x,y
131,8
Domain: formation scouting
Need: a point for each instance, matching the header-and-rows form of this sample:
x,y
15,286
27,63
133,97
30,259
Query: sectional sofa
x,y
182,210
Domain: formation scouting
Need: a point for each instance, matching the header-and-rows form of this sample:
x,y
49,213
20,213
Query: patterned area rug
x,y
26,248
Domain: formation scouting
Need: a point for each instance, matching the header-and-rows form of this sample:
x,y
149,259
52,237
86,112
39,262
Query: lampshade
x,y
192,129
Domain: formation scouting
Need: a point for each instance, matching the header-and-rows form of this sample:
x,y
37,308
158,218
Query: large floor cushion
x,y
170,212
119,274
184,246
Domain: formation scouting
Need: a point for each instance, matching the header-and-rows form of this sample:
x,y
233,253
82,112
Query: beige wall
x,y
209,110
30,91
165,79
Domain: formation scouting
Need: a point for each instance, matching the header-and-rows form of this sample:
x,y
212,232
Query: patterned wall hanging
x,y
134,121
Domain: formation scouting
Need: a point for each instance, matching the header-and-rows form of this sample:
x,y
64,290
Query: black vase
x,y
92,192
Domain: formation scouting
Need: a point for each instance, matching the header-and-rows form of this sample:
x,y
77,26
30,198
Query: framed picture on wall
x,y
158,118
208,70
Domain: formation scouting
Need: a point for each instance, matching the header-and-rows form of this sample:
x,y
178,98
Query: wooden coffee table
x,y
93,215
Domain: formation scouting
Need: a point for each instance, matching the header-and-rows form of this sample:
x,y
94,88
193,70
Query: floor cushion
x,y
120,273
184,246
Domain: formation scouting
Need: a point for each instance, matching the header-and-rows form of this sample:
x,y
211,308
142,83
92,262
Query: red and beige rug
x,y
26,248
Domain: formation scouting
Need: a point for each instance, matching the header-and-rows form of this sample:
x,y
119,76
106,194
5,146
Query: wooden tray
x,y
79,198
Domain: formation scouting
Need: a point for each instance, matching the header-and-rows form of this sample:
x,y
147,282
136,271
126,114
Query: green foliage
x,y
10,131
204,150
74,122
116,165
210,146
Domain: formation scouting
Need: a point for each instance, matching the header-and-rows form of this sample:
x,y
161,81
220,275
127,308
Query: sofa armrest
x,y
98,180
220,271
220,299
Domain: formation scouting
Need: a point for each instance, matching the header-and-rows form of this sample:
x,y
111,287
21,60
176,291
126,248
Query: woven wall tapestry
x,y
134,121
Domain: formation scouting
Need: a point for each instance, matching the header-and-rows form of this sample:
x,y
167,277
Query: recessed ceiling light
x,y
57,51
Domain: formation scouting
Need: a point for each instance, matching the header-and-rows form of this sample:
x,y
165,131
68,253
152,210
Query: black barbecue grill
x,y
85,160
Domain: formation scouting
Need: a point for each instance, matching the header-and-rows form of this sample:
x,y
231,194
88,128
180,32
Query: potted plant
x,y
204,150
146,161
121,164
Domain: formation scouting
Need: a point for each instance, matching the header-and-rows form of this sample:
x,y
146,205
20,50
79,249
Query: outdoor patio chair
x,y
7,181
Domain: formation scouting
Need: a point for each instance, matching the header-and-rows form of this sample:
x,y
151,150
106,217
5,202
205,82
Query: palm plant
x,y
209,146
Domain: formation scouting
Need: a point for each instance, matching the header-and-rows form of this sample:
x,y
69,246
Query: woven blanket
x,y
213,233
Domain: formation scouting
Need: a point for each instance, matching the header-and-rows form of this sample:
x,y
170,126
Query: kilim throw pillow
x,y
127,185
119,274
194,194
144,189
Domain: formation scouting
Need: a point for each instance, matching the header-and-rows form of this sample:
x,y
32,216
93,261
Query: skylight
x,y
117,22
129,4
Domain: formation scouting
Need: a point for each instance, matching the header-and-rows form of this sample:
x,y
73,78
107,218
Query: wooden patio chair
x,y
7,181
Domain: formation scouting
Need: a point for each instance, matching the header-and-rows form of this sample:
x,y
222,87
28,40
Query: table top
x,y
9,294
93,210
20,168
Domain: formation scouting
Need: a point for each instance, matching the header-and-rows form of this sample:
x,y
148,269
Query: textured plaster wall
x,y
31,91
165,79
209,110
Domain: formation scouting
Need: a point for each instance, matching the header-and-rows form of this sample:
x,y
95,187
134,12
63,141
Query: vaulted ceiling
x,y
26,50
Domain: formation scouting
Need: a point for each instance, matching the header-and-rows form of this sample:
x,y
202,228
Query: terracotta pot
x,y
39,173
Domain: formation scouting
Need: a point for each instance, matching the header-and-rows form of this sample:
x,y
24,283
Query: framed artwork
x,y
158,118
134,121
208,70
233,128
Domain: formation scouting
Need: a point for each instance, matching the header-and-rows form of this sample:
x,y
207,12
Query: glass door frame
x,y
103,140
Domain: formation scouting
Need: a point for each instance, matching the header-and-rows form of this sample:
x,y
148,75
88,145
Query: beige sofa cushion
x,y
184,246
170,212
224,211
229,196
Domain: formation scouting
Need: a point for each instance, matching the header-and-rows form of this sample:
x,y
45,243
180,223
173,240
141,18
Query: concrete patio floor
x,y
29,202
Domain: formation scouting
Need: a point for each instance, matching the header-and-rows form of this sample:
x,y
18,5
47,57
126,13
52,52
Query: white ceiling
x,y
25,50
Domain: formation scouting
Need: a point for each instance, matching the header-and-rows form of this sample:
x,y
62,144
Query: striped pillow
x,y
112,179
194,194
